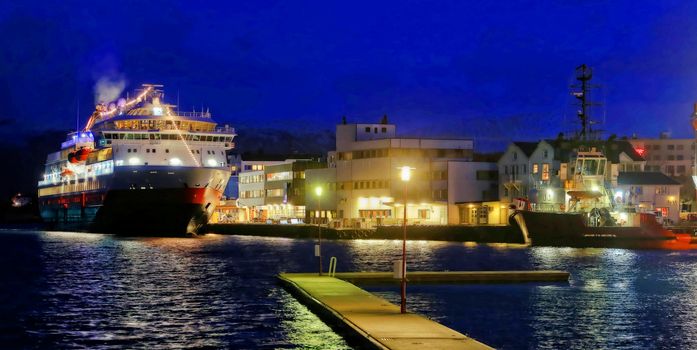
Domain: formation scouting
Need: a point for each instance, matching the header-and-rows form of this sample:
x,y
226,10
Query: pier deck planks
x,y
457,276
372,318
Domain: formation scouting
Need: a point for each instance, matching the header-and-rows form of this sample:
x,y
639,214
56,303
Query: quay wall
x,y
454,233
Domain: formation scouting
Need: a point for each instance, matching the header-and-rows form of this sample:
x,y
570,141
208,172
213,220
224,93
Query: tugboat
x,y
138,167
590,215
593,218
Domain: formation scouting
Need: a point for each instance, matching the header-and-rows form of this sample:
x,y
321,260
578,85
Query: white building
x,y
473,194
252,193
673,157
650,191
369,189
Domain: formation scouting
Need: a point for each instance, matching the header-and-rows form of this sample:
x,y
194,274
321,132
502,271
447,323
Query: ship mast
x,y
582,92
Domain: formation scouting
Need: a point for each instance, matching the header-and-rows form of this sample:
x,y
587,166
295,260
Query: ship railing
x,y
194,114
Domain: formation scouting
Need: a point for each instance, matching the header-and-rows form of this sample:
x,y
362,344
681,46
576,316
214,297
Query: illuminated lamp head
x,y
405,173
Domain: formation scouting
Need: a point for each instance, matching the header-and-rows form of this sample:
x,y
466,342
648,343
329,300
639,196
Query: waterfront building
x,y
285,188
528,166
322,209
541,171
234,161
673,157
273,187
368,187
473,194
652,191
251,187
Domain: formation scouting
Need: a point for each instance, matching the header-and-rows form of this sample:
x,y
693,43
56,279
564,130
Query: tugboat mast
x,y
584,74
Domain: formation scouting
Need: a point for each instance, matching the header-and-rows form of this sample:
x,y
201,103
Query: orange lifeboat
x,y
66,172
82,154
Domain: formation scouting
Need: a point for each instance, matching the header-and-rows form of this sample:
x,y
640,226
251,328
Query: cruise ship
x,y
138,167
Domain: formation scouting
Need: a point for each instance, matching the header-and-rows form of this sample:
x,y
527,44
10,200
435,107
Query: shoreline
x,y
449,233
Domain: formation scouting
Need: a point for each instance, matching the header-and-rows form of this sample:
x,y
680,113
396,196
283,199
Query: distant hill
x,y
274,141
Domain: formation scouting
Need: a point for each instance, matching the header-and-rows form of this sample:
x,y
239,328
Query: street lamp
x,y
405,175
318,249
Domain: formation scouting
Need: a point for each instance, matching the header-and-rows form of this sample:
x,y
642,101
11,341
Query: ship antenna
x,y
77,115
584,74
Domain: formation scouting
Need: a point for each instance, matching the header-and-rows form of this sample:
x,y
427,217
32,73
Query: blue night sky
x,y
492,70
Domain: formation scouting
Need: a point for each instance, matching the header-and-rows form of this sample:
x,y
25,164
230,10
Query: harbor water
x,y
78,290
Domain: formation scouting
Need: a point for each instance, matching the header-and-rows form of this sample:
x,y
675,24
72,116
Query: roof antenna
x,y
77,115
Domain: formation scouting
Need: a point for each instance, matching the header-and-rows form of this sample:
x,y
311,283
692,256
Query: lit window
x,y
545,171
535,168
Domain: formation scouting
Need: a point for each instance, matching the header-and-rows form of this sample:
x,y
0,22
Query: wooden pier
x,y
369,319
456,277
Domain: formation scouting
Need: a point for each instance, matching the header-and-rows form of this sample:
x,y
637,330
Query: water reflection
x,y
63,290
101,291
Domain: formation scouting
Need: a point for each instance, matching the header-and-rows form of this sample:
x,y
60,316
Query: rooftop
x,y
645,178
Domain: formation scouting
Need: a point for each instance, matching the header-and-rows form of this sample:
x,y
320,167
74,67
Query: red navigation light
x,y
641,151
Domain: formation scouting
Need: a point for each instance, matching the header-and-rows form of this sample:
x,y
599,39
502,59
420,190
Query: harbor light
x,y
405,173
318,247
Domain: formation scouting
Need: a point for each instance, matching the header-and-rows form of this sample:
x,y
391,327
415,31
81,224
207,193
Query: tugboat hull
x,y
570,230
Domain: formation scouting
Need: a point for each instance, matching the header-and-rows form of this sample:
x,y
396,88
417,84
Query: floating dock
x,y
457,277
372,320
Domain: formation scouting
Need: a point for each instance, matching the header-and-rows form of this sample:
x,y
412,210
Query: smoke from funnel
x,y
108,89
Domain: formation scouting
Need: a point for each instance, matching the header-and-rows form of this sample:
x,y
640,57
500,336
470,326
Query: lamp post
x,y
318,192
405,174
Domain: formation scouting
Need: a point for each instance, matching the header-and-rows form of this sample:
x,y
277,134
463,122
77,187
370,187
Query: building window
x,y
424,214
505,169
656,157
671,157
679,157
671,147
656,147
546,153
384,129
535,168
670,169
367,129
515,155
680,147
681,169
545,171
